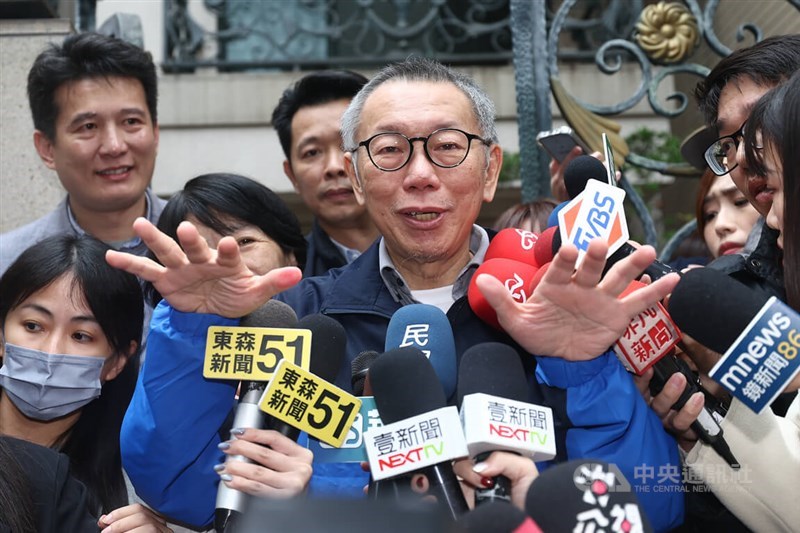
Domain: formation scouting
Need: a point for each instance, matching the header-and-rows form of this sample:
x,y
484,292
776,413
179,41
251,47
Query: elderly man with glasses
x,y
422,156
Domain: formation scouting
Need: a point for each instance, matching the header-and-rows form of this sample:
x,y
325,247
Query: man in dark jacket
x,y
726,97
307,120
422,156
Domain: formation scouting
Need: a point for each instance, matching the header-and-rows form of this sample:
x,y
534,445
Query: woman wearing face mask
x,y
71,330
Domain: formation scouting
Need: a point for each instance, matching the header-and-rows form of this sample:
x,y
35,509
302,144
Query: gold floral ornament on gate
x,y
667,32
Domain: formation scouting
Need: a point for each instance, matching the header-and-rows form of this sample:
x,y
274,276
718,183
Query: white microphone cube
x,y
492,423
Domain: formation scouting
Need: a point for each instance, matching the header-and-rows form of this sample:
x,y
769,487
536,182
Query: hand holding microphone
x,y
283,470
496,416
230,498
519,471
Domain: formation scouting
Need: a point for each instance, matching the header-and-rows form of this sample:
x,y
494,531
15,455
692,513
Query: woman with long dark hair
x,y
71,339
762,493
37,493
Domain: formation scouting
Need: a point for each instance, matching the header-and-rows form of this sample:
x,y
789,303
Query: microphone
x,y
406,386
328,346
493,395
757,334
231,502
656,269
552,218
547,245
427,328
579,171
650,336
714,308
513,243
496,517
517,277
585,495
360,371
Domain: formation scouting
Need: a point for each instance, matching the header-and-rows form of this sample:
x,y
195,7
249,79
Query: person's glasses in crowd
x,y
721,155
446,148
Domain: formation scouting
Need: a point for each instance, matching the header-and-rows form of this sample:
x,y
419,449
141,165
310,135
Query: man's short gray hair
x,y
420,69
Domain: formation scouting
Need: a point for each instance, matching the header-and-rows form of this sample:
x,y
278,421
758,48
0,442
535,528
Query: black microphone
x,y
717,310
713,307
360,369
231,502
579,171
328,346
585,495
706,426
397,488
492,368
656,269
405,385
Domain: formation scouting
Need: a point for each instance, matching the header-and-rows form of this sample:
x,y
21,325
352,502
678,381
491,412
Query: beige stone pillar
x,y
28,189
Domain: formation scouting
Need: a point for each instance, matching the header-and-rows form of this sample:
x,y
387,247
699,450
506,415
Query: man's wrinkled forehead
x,y
737,99
378,116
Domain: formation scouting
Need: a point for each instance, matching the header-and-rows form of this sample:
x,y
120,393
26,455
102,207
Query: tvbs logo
x,y
596,213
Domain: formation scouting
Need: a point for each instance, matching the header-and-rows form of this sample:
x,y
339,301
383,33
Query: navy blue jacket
x,y
597,409
321,254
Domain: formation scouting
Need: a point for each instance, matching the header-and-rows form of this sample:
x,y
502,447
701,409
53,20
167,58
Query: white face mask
x,y
45,386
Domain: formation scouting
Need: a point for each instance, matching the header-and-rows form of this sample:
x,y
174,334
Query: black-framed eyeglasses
x,y
446,148
721,155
